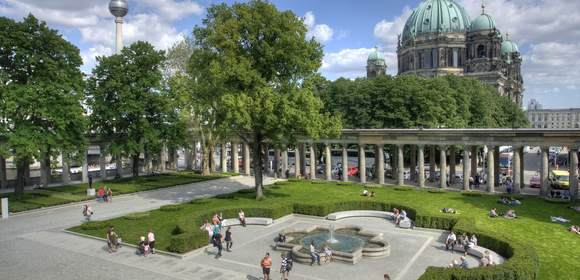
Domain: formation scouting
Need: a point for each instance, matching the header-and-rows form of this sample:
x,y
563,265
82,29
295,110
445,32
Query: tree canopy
x,y
130,108
255,63
412,102
41,91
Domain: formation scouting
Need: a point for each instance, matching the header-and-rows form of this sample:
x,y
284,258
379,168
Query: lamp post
x,y
119,8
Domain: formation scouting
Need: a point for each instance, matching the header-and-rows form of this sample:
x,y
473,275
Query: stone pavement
x,y
33,245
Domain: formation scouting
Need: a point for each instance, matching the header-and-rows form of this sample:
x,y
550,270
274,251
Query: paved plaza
x,y
33,245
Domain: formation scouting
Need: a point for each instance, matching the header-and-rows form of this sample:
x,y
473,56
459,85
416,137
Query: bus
x,y
505,164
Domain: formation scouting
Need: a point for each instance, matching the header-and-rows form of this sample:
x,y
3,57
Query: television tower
x,y
119,8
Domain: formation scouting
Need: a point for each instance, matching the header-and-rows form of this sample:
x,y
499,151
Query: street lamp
x,y
119,8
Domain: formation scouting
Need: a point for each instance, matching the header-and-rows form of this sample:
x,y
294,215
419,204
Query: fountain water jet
x,y
331,238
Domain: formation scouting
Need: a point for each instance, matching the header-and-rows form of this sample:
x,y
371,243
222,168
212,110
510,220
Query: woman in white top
x,y
242,217
151,240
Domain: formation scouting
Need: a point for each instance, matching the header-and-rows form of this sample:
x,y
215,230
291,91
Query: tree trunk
x,y
135,167
45,169
258,165
21,169
205,161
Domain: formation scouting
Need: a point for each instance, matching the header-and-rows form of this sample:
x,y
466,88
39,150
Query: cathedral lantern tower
x,y
376,64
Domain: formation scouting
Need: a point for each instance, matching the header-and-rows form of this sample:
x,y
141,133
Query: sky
x,y
546,32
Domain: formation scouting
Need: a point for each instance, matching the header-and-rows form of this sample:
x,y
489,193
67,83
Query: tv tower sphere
x,y
118,8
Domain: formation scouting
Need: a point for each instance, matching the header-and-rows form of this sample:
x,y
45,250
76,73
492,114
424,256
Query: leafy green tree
x,y
259,66
41,91
129,107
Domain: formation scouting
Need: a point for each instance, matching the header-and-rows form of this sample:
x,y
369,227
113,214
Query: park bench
x,y
359,213
249,221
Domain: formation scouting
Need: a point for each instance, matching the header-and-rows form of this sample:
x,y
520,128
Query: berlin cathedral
x,y
439,38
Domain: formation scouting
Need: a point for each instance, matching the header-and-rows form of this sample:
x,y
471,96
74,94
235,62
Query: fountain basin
x,y
353,244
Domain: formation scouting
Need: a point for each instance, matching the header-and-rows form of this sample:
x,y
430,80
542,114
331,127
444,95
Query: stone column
x,y
3,179
432,163
223,158
247,159
413,168
284,162
466,168
235,156
490,169
362,166
65,170
544,171
421,161
443,166
102,163
452,165
303,160
574,173
380,164
522,168
400,165
297,163
328,162
474,165
344,163
516,170
312,161
496,165
85,168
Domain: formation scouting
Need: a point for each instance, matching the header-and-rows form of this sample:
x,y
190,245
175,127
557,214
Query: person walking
x,y
109,195
112,240
266,264
87,212
387,277
151,240
90,181
285,266
217,242
228,239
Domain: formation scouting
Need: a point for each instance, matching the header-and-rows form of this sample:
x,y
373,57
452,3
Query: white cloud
x,y
388,31
351,63
321,32
148,20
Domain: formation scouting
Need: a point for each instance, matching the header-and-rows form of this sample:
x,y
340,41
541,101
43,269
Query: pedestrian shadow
x,y
250,277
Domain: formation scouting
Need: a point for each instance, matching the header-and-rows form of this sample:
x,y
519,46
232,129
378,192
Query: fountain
x,y
348,243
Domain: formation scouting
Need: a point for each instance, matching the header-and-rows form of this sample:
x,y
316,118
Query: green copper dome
x,y
508,47
483,22
436,16
376,55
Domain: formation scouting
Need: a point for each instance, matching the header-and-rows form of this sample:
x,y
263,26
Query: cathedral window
x,y
481,53
434,59
455,57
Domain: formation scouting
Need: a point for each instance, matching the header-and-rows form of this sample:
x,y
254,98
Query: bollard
x,y
4,208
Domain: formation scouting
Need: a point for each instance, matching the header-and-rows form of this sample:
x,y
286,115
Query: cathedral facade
x,y
439,38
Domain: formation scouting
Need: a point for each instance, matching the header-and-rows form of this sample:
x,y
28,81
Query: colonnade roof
x,y
480,137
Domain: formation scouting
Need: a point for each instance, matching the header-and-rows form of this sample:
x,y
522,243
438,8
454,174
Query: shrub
x,y
171,207
437,222
95,225
136,216
177,230
188,241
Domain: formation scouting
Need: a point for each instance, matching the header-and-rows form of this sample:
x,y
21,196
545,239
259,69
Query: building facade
x,y
376,64
440,39
554,118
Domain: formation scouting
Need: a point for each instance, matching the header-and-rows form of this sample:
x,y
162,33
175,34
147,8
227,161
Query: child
x,y
87,212
228,239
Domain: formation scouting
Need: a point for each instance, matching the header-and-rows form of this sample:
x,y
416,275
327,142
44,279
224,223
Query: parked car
x,y
535,181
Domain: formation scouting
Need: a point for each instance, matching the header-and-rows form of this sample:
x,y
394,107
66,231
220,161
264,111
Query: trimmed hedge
x,y
187,241
95,225
136,216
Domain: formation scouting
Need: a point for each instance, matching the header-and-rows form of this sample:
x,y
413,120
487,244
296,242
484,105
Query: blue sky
x,y
546,31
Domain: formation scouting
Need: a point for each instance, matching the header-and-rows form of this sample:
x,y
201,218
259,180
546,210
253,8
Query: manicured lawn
x,y
558,249
75,193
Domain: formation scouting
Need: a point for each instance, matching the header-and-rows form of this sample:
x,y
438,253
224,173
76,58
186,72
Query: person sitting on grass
x,y
511,214
493,213
365,192
372,194
450,241
575,229
504,200
449,211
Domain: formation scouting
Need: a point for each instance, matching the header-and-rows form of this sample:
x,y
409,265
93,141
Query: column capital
x,y
443,147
